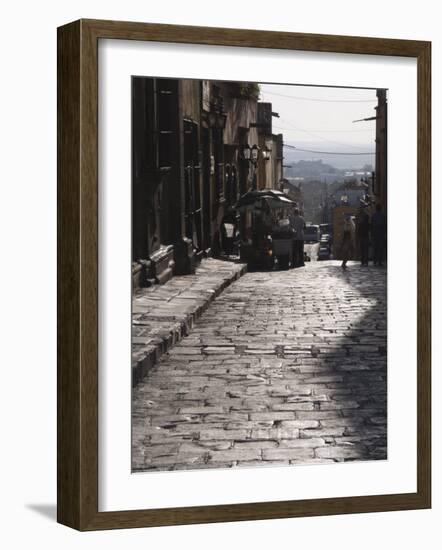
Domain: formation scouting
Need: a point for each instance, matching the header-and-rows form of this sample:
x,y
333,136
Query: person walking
x,y
363,231
347,243
298,225
378,235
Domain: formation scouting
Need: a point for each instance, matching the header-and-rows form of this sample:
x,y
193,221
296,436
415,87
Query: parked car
x,y
324,252
325,228
311,234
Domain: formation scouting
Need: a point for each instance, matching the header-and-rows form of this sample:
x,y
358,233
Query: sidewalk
x,y
163,314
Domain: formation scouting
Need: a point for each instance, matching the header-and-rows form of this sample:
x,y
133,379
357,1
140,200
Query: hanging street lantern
x,y
246,152
217,120
266,153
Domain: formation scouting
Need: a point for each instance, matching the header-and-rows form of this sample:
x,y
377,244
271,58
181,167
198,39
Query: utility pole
x,y
380,175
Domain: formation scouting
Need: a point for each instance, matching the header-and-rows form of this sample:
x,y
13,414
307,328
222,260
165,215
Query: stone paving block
x,y
312,442
184,350
338,405
342,453
313,461
195,428
272,416
366,430
247,445
261,463
324,379
275,433
288,454
206,445
294,406
187,458
300,424
231,435
248,424
202,410
321,432
218,350
203,466
234,455
227,417
155,451
318,415
343,421
171,419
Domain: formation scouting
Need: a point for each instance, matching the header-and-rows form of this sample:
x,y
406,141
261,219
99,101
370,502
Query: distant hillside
x,y
311,168
318,181
339,161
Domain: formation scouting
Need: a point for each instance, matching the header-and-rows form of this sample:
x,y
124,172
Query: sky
x,y
322,117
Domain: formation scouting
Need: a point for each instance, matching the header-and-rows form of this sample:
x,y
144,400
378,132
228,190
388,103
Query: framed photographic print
x,y
243,275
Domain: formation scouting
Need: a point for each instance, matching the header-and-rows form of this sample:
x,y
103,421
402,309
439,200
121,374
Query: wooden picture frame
x,y
78,274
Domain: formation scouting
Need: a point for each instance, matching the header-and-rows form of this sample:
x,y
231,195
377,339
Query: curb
x,y
162,343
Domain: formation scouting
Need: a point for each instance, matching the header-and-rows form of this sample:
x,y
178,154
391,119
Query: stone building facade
x,y
190,140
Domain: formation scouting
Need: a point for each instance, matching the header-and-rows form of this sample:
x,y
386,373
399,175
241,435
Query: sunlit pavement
x,y
284,367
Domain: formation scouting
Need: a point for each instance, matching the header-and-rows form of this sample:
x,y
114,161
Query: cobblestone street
x,y
284,367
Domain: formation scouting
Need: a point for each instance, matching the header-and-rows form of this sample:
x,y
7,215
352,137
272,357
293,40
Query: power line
x,y
327,152
317,136
322,131
319,100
